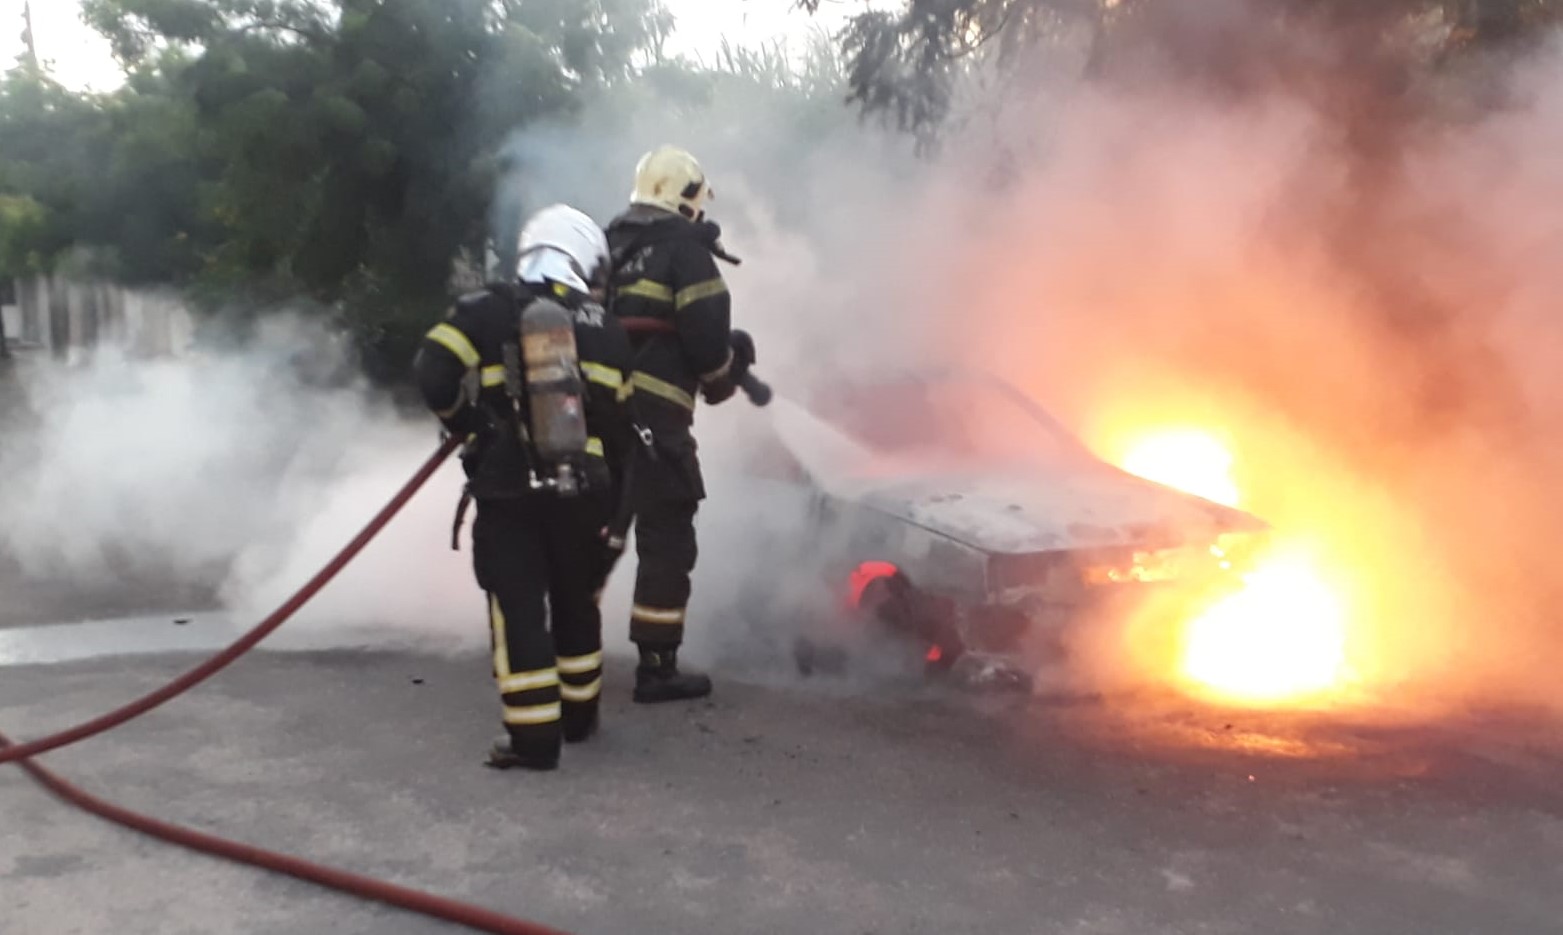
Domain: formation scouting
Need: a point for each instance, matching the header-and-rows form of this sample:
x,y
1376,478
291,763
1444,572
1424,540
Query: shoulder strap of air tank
x,y
645,236
617,259
509,291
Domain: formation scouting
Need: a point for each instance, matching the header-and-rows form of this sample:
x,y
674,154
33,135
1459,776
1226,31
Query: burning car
x,y
953,512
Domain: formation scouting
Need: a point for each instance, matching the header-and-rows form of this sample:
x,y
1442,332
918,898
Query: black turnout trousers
x,y
666,491
542,563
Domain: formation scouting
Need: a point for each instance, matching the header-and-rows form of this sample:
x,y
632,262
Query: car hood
x,y
1048,509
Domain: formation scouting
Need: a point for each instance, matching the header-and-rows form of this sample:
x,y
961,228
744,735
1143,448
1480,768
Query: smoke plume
x,y
1347,282
1352,283
227,476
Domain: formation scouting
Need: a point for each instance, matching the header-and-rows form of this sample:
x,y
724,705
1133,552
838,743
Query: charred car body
x,y
953,512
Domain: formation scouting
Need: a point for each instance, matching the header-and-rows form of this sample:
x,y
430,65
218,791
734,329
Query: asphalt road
x,y
25,602
864,809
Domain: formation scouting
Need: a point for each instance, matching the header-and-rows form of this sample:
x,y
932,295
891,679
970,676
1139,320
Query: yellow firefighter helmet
x,y
671,179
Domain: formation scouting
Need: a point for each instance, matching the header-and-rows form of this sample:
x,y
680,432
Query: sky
x,y
80,58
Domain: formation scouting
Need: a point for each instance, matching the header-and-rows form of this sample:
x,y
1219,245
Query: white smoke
x,y
228,471
1146,245
163,458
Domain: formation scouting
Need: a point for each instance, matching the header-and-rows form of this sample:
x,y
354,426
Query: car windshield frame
x,y
1057,443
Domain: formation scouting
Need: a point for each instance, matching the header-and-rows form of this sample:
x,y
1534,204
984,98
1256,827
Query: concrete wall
x,y
10,321
67,319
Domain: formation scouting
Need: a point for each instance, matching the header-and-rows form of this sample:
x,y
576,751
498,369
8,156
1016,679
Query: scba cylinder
x,y
553,382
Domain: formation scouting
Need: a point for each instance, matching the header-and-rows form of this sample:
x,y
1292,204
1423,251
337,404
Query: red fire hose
x,y
438,907
473,917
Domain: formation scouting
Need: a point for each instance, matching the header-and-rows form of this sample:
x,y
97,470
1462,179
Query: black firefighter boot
x,y
506,754
657,678
580,723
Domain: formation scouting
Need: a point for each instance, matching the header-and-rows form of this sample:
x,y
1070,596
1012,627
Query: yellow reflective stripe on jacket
x,y
450,337
534,714
667,391
528,681
689,295
493,376
602,374
594,447
581,692
647,289
580,665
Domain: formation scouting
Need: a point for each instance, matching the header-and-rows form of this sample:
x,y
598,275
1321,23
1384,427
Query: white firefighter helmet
x,y
561,244
671,179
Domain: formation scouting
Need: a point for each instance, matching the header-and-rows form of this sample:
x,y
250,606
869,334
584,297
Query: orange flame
x,y
1280,638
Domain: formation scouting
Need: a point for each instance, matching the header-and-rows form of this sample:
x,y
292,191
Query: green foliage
x,y
138,29
23,227
46,135
341,152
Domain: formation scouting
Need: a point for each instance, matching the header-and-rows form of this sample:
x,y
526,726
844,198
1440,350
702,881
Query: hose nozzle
x,y
758,391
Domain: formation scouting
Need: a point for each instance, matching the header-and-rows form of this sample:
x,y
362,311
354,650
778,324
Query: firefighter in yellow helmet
x,y
548,442
670,295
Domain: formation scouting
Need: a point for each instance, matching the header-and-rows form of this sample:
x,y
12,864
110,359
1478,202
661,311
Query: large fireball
x,y
1280,638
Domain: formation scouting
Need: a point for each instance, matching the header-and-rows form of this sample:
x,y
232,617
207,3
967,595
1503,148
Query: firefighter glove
x,y
468,420
612,550
472,426
743,351
719,391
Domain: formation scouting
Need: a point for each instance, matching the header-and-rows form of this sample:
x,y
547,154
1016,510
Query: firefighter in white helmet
x,y
541,548
667,290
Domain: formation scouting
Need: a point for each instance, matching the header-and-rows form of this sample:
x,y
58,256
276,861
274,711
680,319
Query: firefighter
x,y
540,549
667,290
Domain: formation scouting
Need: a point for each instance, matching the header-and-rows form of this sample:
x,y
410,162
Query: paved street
x,y
779,806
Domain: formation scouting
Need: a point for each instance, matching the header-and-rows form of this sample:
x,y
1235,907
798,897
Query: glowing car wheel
x,y
882,602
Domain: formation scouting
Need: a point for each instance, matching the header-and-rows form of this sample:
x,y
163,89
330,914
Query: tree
x,y
23,227
21,220
905,64
47,140
139,30
346,151
339,155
